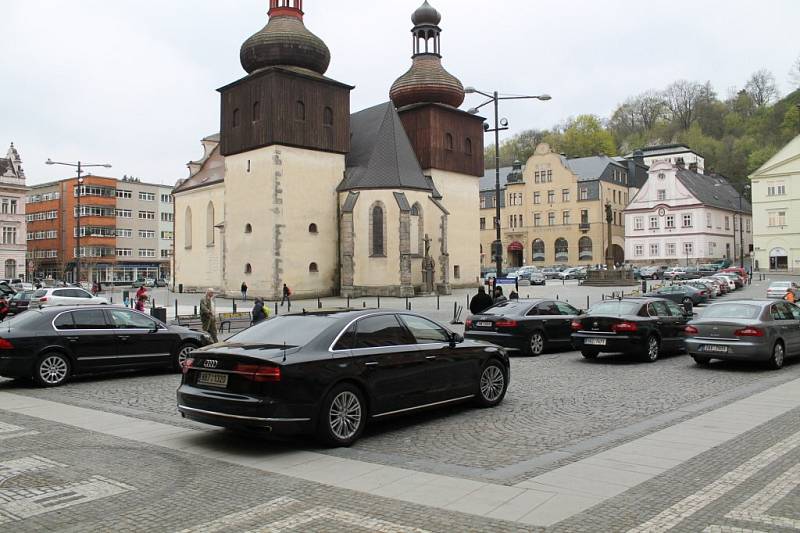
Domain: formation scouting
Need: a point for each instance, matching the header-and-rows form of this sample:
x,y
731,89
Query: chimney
x,y
638,157
680,163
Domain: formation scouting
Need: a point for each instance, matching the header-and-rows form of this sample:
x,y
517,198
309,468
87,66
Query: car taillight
x,y
506,323
576,325
43,299
691,330
187,364
467,324
6,345
259,373
703,293
749,332
624,327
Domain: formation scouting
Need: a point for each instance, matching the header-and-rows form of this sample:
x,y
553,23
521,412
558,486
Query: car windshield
x,y
290,330
615,308
732,311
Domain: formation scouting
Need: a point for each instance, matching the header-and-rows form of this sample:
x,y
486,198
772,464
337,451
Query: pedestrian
x,y
208,315
498,296
516,283
244,291
260,311
287,293
141,298
480,302
513,296
790,297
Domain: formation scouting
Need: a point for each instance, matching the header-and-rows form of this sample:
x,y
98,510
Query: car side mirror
x,y
455,338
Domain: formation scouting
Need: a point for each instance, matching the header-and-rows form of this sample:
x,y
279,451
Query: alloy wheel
x,y
53,370
777,356
652,349
183,354
537,344
344,417
492,383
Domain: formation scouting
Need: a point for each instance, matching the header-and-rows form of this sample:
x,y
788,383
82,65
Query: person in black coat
x,y
260,311
480,302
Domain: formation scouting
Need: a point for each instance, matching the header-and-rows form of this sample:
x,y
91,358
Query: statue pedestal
x,y
610,278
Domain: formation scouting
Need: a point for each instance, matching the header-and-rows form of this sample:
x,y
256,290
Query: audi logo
x,y
210,363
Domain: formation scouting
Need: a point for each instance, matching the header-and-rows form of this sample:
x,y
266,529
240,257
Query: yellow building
x,y
552,212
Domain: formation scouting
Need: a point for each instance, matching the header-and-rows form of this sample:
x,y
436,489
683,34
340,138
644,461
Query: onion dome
x,y
426,14
427,82
285,41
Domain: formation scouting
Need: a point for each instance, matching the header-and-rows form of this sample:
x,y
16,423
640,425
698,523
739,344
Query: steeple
x,y
15,162
427,81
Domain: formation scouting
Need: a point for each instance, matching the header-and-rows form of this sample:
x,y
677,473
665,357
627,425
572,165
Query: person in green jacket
x,y
208,315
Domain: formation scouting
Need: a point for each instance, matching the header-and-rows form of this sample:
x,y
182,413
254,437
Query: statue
x,y
428,266
609,213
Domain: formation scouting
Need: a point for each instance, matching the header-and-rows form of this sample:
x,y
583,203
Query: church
x,y
296,189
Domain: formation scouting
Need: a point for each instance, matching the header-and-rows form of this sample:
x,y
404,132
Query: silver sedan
x,y
764,331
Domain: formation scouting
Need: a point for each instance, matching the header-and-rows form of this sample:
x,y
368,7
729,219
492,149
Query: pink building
x,y
12,215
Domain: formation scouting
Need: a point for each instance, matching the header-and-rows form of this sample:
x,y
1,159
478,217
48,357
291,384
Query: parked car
x,y
778,289
551,273
742,273
573,273
488,272
747,330
139,283
737,279
149,282
727,280
161,282
652,272
528,326
524,273
715,286
19,302
52,344
638,326
65,296
674,273
703,286
6,290
682,294
329,372
511,273
537,278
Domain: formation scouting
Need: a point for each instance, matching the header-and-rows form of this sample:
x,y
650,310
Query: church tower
x,y
285,130
448,143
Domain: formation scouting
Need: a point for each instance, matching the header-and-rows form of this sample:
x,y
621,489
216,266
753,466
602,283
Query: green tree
x,y
583,136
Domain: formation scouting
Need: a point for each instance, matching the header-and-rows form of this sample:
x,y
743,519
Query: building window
x,y
549,176
551,197
538,250
654,222
9,235
147,234
147,196
562,250
688,249
777,218
248,268
312,228
124,252
565,218
565,195
248,228
167,217
537,198
187,238
123,194
687,221
670,222
11,268
661,195
166,198
327,117
537,219
728,223
585,249
124,233
747,223
456,272
551,219
654,250
638,223
147,252
166,235
166,254
377,228
300,110
671,249
483,201
210,224
468,146
583,193
147,215
448,141
638,250
313,268
256,111
235,119
708,220
776,190
483,223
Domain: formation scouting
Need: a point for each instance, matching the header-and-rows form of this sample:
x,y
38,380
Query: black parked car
x,y
638,326
19,302
51,344
328,372
530,326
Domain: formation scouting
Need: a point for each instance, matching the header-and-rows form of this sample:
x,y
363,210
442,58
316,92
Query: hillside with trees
x,y
736,134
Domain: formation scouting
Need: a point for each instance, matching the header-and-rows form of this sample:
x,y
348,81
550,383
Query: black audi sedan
x,y
328,372
51,344
527,326
638,326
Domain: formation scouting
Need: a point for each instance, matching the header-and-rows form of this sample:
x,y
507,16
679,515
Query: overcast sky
x,y
133,82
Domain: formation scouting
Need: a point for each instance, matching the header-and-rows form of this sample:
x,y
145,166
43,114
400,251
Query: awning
x,y
515,246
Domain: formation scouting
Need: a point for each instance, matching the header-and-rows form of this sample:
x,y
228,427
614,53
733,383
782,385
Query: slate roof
x,y
5,164
714,191
591,168
664,149
211,173
487,181
381,155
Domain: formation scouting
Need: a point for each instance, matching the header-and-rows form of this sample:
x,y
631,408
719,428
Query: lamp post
x,y
741,229
499,125
79,166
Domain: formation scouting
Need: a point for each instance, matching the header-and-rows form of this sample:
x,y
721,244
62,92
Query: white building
x,y
675,154
682,217
12,215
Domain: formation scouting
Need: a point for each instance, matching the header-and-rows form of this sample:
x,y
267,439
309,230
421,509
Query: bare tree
x,y
638,114
794,74
762,87
650,108
681,99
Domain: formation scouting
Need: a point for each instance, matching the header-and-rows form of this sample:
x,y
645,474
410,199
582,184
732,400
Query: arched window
x,y
448,141
585,249
11,268
468,146
377,230
327,117
187,238
313,268
312,228
248,228
300,110
248,268
562,250
538,250
210,224
417,237
256,111
235,119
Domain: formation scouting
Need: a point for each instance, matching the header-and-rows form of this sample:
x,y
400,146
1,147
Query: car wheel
x,y
492,385
589,353
535,345
700,360
183,355
778,354
653,349
343,416
52,369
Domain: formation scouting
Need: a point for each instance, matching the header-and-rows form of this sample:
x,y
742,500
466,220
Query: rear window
x,y
505,308
616,308
741,311
22,320
40,293
288,330
780,284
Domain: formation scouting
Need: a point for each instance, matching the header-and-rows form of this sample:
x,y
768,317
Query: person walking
x,y
244,291
287,293
208,315
498,296
480,302
141,298
260,311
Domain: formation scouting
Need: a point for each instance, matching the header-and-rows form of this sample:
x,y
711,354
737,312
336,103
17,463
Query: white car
x,y
65,296
715,283
778,289
729,281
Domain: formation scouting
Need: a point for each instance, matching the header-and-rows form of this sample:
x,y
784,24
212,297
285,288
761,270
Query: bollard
x,y
234,306
587,302
406,302
288,306
319,303
176,307
438,306
603,296
276,308
379,302
557,297
111,300
195,311
455,310
348,302
364,304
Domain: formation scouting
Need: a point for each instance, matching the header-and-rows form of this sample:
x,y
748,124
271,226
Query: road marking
x,y
685,508
755,509
25,465
236,520
10,431
729,529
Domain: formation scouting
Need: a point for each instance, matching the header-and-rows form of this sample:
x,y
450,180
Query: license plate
x,y
595,342
714,348
484,324
212,379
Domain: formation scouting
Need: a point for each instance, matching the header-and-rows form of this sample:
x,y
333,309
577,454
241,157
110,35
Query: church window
x,y
448,141
313,268
327,117
417,232
468,146
456,272
188,228
248,268
210,224
236,118
377,231
248,228
300,110
256,111
312,228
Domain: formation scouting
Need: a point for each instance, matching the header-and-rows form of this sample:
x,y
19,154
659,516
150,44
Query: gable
x,y
786,161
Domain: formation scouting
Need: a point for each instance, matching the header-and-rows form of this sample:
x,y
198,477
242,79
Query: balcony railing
x,y
584,226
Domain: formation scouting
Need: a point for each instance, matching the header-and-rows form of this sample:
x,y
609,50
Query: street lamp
x,y
80,166
499,125
741,230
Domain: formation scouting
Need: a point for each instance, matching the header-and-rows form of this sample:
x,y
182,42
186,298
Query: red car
x,y
738,270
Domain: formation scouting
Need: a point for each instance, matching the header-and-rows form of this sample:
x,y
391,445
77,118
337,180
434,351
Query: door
x,y
549,318
393,366
667,324
786,319
568,314
91,339
140,340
